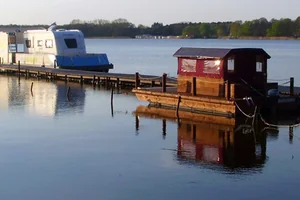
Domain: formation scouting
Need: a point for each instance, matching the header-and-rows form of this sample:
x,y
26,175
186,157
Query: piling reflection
x,y
46,98
215,141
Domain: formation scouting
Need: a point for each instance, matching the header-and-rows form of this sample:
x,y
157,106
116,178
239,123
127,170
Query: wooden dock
x,y
100,78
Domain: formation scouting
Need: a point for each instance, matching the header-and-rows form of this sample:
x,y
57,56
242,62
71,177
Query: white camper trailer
x,y
59,42
51,48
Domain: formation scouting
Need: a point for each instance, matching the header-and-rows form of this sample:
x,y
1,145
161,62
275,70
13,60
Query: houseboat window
x,y
48,43
188,65
71,43
40,43
259,63
212,66
259,66
28,43
230,65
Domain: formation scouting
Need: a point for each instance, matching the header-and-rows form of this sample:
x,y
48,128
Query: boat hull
x,y
204,105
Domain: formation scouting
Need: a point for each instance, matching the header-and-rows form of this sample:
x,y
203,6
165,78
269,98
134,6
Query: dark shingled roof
x,y
215,52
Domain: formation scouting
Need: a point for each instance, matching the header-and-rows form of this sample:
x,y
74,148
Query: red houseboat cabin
x,y
227,73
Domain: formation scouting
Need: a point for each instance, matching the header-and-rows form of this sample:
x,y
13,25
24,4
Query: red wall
x,y
200,68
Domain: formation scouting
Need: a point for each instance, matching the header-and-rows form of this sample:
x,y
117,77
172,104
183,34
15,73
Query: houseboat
x,y
52,48
224,82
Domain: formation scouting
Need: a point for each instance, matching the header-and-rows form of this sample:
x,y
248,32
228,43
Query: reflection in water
x,y
47,98
214,141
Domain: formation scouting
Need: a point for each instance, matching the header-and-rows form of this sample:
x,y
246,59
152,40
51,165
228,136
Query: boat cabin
x,y
57,42
227,73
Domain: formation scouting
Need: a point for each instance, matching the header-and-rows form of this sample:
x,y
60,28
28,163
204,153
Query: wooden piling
x,y
137,123
19,69
112,100
94,80
99,81
194,86
292,85
164,82
177,108
152,83
31,87
164,128
137,80
118,83
68,93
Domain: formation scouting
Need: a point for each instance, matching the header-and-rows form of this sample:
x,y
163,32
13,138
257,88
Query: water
x,y
52,147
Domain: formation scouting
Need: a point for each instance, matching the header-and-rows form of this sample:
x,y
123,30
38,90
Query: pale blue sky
x,y
145,12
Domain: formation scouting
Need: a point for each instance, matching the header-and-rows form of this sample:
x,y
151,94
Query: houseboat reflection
x,y
215,141
46,98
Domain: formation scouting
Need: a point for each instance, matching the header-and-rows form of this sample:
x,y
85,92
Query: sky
x,y
144,12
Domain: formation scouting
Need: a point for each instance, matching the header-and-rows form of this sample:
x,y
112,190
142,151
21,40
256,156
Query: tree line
x,y
284,27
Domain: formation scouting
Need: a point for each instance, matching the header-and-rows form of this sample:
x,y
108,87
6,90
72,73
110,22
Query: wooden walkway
x,y
120,79
86,76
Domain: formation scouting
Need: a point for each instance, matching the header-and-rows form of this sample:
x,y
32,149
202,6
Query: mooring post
x,y
292,85
164,82
177,108
112,101
137,123
118,83
291,134
19,69
194,87
94,80
164,128
31,87
98,81
152,83
137,80
68,93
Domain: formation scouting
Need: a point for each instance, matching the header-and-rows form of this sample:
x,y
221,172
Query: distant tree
x,y
297,27
222,30
205,31
191,31
235,29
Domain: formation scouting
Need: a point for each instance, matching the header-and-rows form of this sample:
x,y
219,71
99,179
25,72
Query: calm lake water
x,y
52,147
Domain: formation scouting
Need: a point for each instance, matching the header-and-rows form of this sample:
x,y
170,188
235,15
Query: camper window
x,y
28,43
71,43
48,43
40,43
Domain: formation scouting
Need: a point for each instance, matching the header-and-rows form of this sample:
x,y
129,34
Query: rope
x,y
252,87
278,79
249,116
285,83
278,126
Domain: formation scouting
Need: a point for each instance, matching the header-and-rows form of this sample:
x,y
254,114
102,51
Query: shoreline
x,y
220,38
